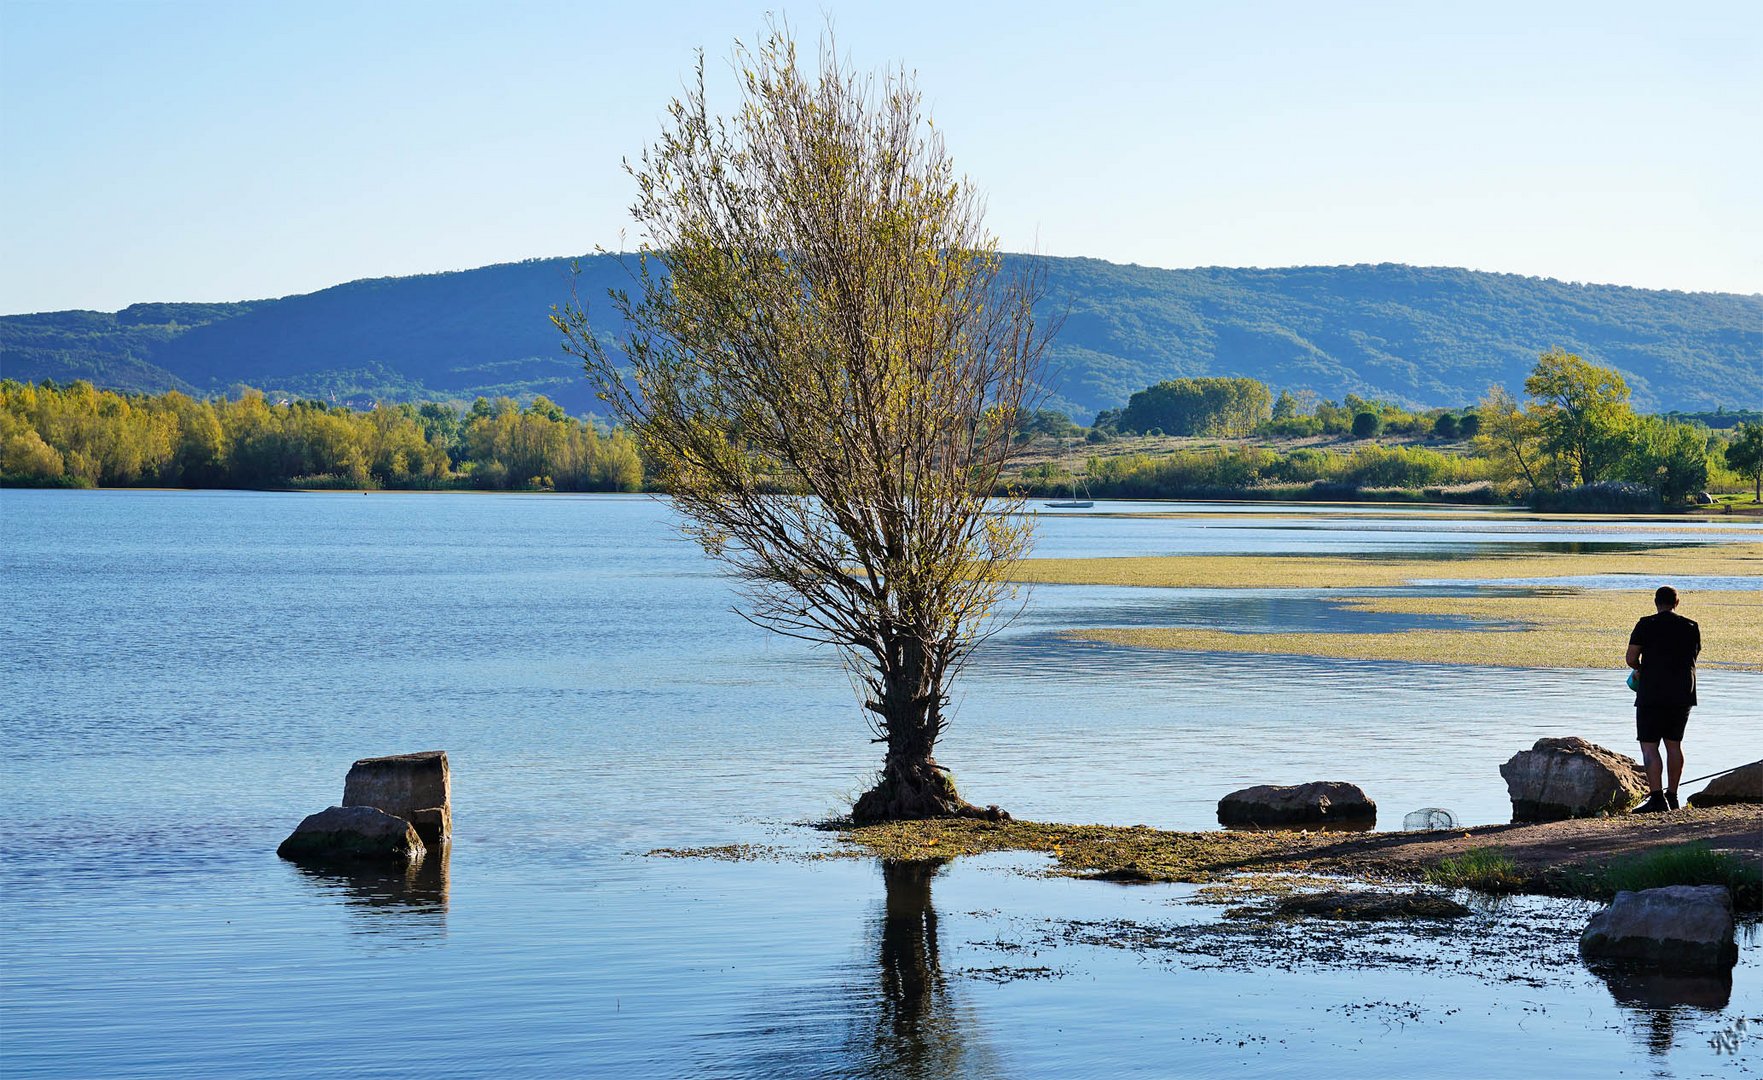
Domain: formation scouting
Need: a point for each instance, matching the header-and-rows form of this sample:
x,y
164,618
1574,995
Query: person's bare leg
x,y
1673,765
1650,760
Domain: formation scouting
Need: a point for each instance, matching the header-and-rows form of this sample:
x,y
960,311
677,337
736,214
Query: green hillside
x,y
1419,336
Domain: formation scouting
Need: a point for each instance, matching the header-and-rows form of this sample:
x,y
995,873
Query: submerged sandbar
x,y
1547,626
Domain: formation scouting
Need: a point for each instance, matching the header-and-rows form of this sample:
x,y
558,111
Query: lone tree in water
x,y
826,364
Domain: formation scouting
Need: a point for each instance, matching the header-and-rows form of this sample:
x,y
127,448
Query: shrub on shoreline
x,y
1682,864
1486,869
1605,497
1367,474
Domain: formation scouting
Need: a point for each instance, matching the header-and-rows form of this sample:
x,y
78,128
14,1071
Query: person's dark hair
x,y
1665,596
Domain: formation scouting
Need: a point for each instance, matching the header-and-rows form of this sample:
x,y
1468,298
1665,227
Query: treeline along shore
x,y
1573,444
80,436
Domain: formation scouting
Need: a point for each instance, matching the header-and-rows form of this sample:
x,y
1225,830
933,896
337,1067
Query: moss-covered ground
x,y
1558,858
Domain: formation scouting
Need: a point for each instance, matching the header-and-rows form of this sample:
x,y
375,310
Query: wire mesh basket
x,y
1429,817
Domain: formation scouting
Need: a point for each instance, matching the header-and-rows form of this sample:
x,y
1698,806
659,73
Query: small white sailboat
x,y
1073,503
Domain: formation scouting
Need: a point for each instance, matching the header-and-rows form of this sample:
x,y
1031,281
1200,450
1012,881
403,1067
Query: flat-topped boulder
x,y
1323,802
1675,928
1743,785
1569,778
341,834
415,787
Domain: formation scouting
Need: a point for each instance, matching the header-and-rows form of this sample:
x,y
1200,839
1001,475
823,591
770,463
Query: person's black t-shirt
x,y
1669,646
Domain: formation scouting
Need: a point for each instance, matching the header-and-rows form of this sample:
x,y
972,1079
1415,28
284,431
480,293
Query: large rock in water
x,y
1676,928
353,834
1324,802
1743,785
415,787
1568,778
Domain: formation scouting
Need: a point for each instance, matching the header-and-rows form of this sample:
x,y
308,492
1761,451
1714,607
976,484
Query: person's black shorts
x,y
1655,722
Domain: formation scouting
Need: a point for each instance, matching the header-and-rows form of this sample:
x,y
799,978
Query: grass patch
x,y
1487,869
1680,864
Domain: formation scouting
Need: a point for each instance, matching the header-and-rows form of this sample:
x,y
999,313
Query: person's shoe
x,y
1655,804
1671,799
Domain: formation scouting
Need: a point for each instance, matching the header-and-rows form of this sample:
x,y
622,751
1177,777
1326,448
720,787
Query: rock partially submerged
x,y
434,824
344,834
1742,785
1124,875
1684,928
1324,802
1358,905
416,787
1568,778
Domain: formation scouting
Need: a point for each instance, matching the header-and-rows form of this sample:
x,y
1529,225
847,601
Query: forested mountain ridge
x,y
1418,336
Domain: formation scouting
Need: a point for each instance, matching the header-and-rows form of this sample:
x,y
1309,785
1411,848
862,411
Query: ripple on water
x,y
188,674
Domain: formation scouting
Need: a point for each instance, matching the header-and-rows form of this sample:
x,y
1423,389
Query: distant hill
x,y
1419,336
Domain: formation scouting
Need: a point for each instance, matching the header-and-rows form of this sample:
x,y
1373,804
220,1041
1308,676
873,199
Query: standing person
x,y
1662,651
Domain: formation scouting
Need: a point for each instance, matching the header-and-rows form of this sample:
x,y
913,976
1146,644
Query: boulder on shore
x,y
407,786
1676,928
353,834
1324,802
1743,785
1569,778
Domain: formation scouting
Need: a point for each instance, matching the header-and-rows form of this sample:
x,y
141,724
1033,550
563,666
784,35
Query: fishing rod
x,y
1722,772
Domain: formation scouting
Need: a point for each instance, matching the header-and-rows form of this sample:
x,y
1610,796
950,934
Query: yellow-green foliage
x,y
77,435
541,447
1245,468
820,311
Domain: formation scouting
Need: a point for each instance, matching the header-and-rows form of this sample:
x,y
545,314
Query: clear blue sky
x,y
218,151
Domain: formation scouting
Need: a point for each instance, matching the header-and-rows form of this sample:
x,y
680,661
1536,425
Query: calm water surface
x,y
188,674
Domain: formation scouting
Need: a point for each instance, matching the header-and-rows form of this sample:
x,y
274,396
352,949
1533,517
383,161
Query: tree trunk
x,y
912,785
911,789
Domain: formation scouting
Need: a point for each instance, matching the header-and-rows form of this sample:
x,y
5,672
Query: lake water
x,y
188,674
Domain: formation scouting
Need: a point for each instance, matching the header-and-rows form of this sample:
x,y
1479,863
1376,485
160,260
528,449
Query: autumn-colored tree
x,y
1510,436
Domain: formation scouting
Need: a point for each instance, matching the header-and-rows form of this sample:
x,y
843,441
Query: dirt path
x,y
1557,844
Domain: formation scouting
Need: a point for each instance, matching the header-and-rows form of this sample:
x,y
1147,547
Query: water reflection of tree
x,y
915,1031
919,1031
894,1016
